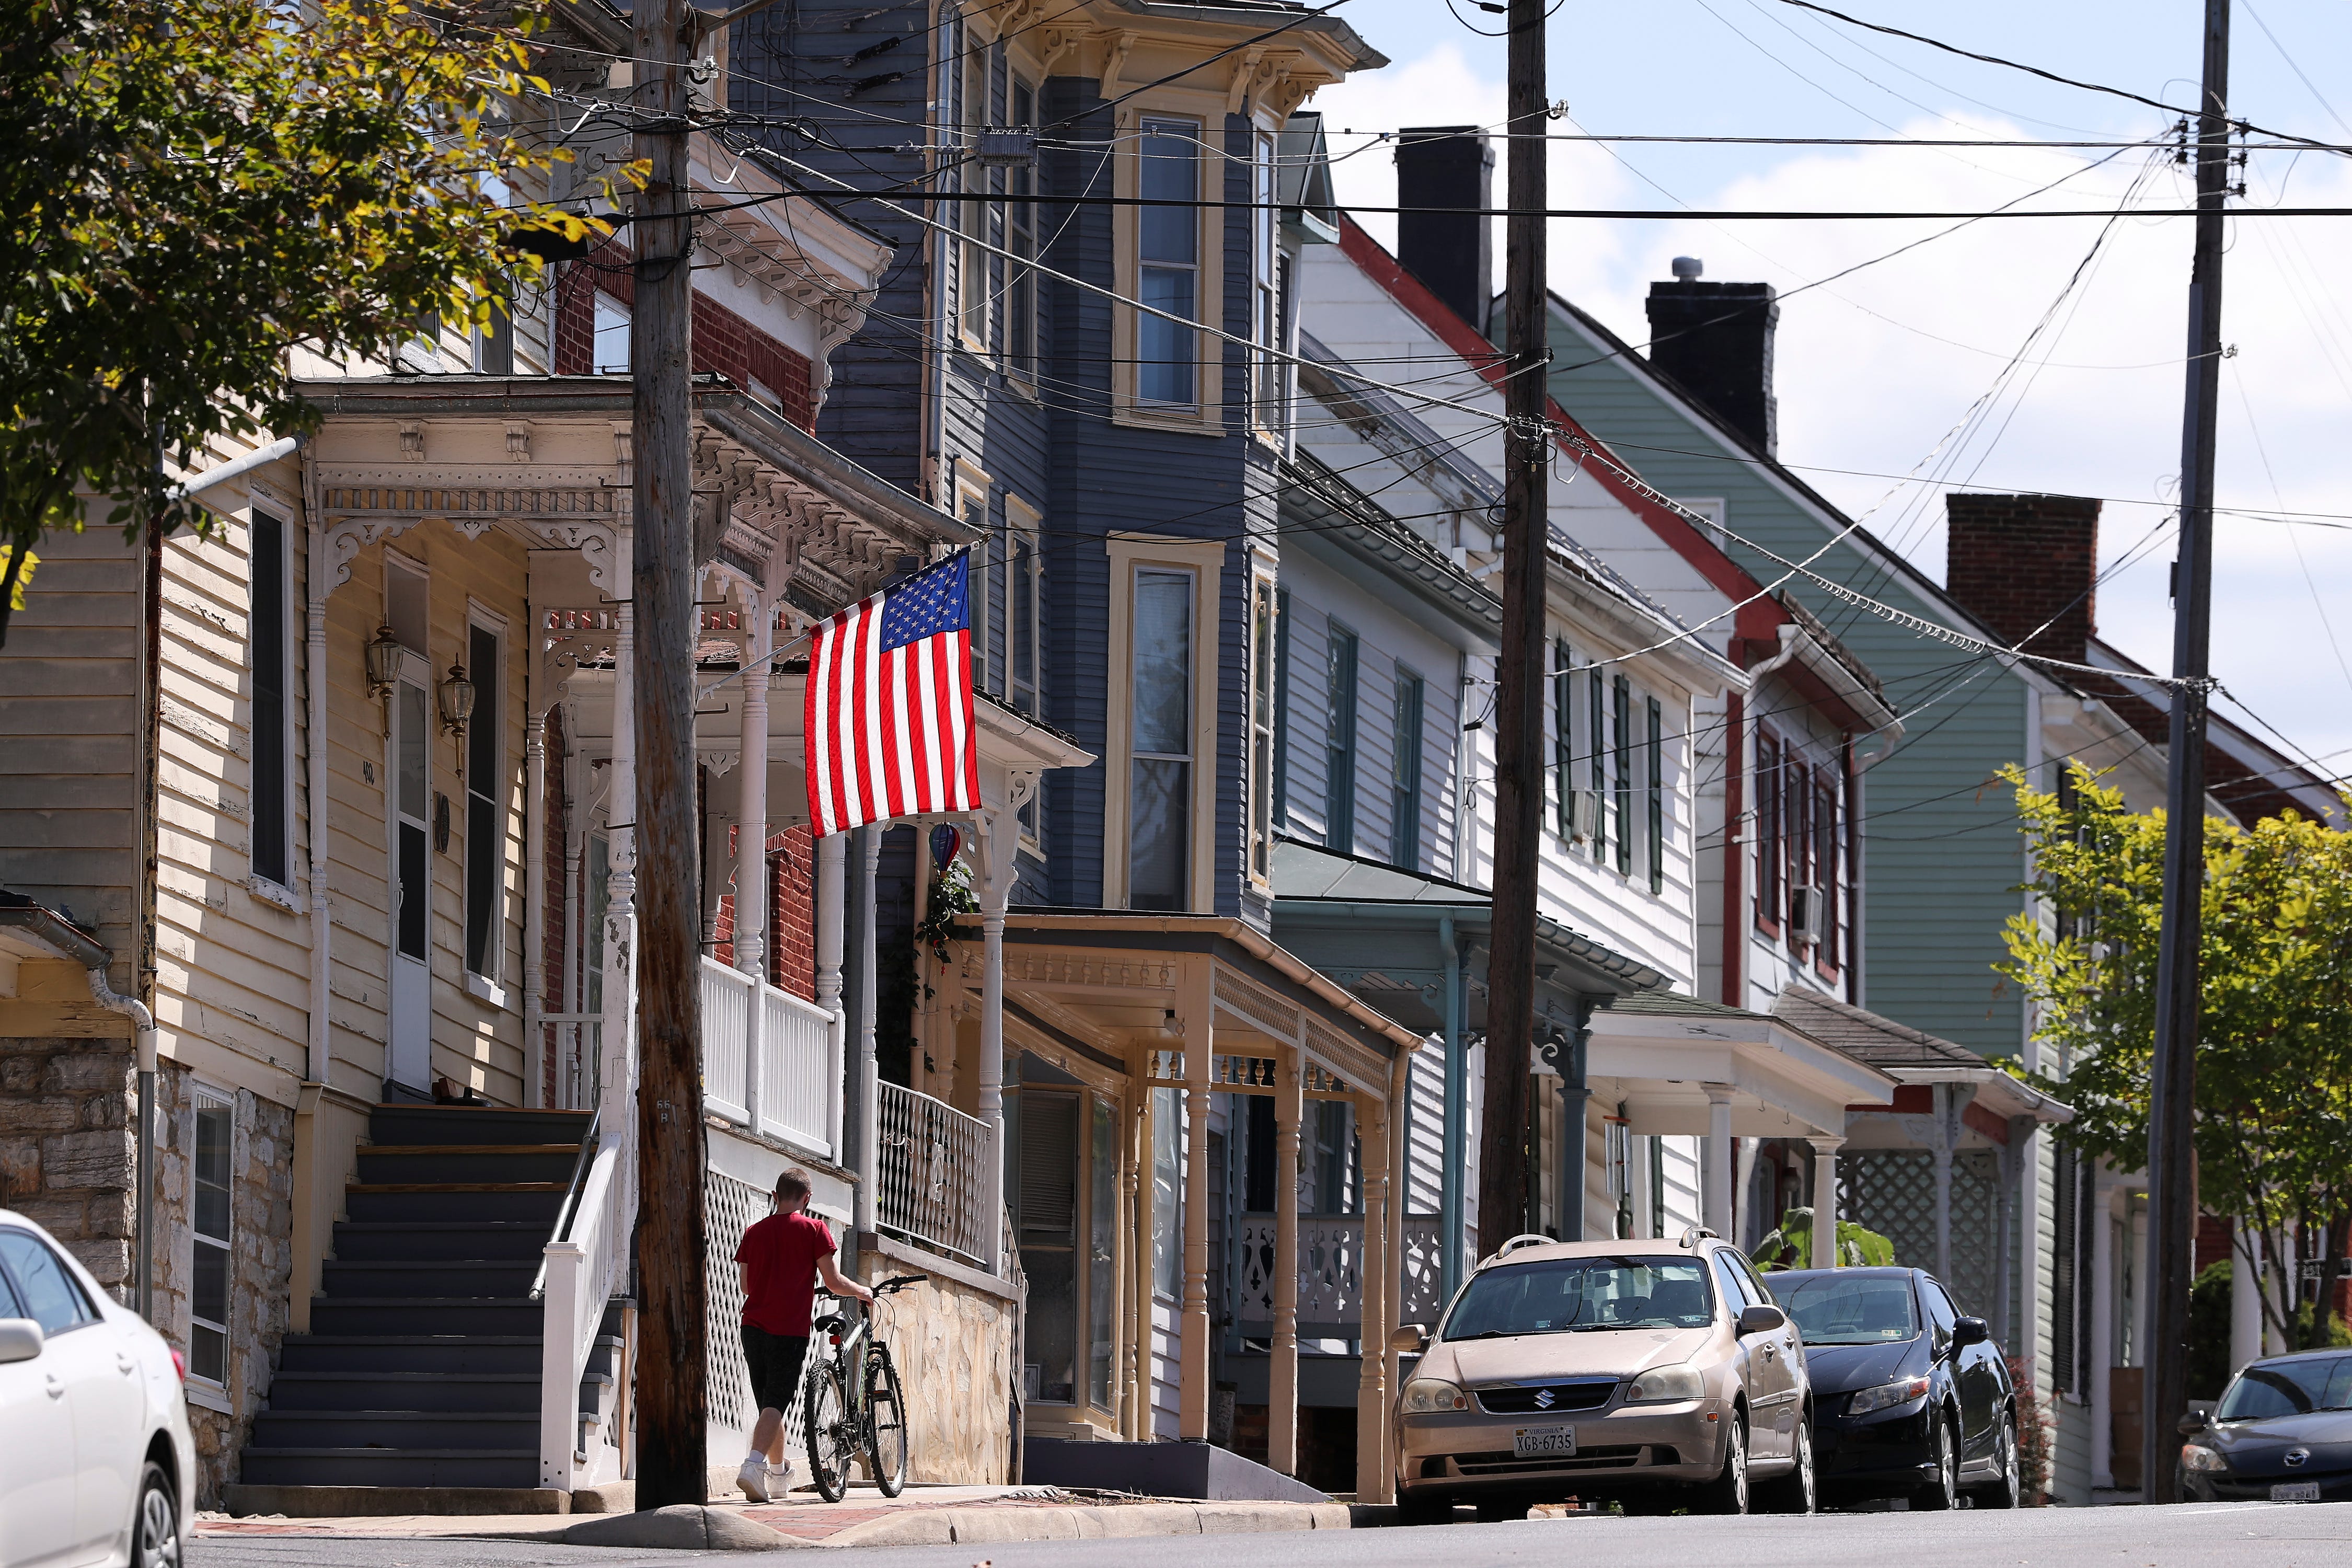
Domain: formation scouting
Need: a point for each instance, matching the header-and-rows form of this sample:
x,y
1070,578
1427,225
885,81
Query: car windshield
x,y
2288,1388
1840,1309
1566,1295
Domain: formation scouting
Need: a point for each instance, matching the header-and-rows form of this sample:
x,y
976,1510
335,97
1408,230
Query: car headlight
x,y
1424,1394
1661,1383
1902,1390
2204,1460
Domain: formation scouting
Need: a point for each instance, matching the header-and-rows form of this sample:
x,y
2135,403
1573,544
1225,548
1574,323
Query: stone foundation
x,y
953,1346
67,1155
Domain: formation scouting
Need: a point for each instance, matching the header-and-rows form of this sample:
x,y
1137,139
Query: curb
x,y
689,1527
955,1526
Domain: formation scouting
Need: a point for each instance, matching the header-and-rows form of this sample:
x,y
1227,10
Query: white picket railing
x,y
795,1094
587,1262
575,1041
1330,1282
932,1179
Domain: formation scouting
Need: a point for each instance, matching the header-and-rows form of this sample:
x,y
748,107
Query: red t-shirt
x,y
780,1257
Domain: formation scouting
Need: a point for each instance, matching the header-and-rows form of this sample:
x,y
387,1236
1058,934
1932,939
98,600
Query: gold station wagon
x,y
1657,1374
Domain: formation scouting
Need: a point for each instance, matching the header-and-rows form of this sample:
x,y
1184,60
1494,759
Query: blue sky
x,y
1906,367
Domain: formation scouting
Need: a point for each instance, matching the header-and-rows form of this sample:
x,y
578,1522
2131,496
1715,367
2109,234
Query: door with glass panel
x,y
408,1029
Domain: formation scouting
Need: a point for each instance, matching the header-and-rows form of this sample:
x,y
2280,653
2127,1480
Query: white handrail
x,y
582,1269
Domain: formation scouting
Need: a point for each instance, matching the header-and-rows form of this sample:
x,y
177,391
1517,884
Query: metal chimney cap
x,y
1687,268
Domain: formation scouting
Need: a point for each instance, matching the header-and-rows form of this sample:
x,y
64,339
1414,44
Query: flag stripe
x,y
888,729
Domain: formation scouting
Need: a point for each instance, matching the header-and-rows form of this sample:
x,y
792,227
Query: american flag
x,y
888,714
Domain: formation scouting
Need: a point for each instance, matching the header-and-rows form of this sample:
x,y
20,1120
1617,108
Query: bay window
x,y
1160,792
1168,264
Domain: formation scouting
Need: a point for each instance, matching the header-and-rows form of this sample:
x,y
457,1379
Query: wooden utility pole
x,y
671,1261
2171,1124
1503,1184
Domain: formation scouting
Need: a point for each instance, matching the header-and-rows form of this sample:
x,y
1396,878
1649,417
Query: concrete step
x,y
474,1124
442,1355
423,1315
443,1278
456,1467
400,1431
404,1241
533,1204
443,1163
504,1392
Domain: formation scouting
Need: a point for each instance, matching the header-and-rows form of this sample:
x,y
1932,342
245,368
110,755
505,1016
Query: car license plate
x,y
1543,1442
2295,1491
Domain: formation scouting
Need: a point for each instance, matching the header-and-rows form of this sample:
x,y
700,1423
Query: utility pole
x,y
1503,1184
2172,1153
670,1241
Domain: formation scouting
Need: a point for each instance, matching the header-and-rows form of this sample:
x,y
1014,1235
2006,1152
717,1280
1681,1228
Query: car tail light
x,y
179,1364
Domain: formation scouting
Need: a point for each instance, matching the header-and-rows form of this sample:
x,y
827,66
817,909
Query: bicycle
x,y
843,1415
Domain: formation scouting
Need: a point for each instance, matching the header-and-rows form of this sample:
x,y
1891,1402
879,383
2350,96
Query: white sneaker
x,y
780,1478
753,1479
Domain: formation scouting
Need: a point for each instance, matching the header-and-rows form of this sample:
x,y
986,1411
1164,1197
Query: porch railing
x,y
586,1262
1331,1279
795,1094
575,1041
931,1176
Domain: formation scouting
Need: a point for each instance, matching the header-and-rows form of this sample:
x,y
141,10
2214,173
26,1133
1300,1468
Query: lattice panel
x,y
729,1208
1975,1230
1891,1192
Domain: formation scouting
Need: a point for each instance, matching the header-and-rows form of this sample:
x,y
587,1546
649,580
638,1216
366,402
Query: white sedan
x,y
97,1465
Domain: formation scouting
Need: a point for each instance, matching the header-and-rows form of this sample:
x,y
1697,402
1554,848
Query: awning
x,y
1912,1057
1658,1054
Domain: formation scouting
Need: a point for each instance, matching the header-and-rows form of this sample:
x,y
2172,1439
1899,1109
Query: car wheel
x,y
1944,1492
155,1526
1415,1508
1728,1493
1791,1493
2004,1492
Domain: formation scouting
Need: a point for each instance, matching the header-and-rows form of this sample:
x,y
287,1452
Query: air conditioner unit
x,y
1805,913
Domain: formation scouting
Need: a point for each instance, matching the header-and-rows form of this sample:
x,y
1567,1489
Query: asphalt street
x,y
2226,1535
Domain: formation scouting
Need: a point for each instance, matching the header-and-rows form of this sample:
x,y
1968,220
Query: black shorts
x,y
776,1362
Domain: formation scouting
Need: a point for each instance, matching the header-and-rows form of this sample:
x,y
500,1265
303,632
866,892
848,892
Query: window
x,y
1282,708
1102,1249
1160,783
1168,264
972,492
1045,1210
1768,831
1262,732
1597,757
1340,742
1733,1283
210,1221
273,837
51,1295
1621,735
2070,1254
1266,316
1020,238
1167,1193
1023,610
1826,862
972,268
1657,805
1797,817
1564,739
486,839
1404,785
611,355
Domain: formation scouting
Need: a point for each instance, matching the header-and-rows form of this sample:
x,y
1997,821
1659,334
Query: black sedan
x,y
2282,1432
1911,1400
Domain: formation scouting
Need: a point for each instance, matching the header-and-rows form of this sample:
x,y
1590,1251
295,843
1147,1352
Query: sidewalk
x,y
922,1516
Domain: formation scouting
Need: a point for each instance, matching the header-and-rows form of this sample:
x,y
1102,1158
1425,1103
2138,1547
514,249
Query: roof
x,y
1866,1036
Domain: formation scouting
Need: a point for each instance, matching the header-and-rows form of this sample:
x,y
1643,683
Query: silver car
x,y
1655,1374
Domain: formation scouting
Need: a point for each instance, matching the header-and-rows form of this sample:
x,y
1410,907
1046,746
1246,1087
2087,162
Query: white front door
x,y
409,1032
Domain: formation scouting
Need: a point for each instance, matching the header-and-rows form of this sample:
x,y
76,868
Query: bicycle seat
x,y
832,1323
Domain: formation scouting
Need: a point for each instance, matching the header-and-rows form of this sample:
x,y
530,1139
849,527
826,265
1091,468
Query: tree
x,y
2273,1097
197,189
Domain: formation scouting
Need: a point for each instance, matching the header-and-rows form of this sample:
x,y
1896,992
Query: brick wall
x,y
791,914
724,342
2023,562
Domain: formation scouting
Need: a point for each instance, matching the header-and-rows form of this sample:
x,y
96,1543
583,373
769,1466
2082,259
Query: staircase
x,y
422,1365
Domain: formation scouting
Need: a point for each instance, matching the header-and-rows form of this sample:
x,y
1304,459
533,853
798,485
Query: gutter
x,y
237,468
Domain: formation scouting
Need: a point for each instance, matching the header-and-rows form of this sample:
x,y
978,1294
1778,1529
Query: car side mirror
x,y
1761,1320
1967,1331
20,1340
1407,1339
2196,1421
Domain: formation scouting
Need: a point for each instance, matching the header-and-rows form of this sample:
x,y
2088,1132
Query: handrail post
x,y
752,852
831,852
559,1378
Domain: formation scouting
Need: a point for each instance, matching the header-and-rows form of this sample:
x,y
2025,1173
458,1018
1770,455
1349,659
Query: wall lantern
x,y
456,702
383,663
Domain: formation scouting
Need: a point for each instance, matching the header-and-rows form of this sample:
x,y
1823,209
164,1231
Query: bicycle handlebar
x,y
897,1282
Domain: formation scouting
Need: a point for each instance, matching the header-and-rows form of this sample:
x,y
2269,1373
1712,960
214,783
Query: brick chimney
x,y
1448,166
1716,340
2020,563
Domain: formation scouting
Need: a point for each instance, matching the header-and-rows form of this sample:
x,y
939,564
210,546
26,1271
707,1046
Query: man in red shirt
x,y
781,1258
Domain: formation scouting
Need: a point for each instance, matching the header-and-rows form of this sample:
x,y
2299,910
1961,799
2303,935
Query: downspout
x,y
142,1025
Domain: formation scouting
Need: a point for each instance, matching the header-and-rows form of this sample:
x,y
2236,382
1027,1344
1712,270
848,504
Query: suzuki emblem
x,y
1543,1400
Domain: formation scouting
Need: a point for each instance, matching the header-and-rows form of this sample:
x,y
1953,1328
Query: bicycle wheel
x,y
885,1423
830,1449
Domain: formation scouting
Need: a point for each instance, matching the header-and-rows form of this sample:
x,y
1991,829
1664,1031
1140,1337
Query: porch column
x,y
1195,1011
1575,1131
1942,1157
1825,1201
616,1076
751,849
534,892
999,846
869,1163
2245,1294
1373,1266
1454,1167
1139,1415
2103,1327
1714,1204
830,854
1282,1362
